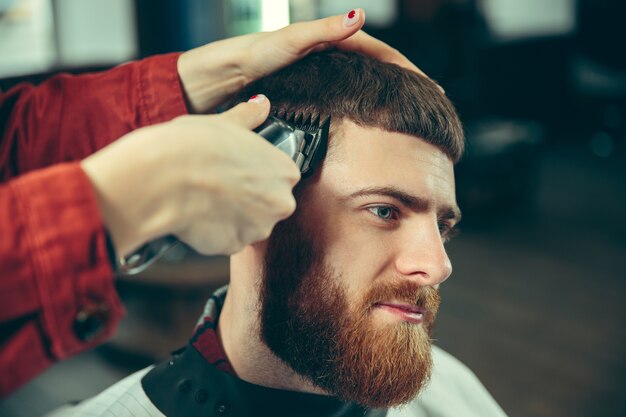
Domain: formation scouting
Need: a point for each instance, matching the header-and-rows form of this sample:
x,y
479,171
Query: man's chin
x,y
386,368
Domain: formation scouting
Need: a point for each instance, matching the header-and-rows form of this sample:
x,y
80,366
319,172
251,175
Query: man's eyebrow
x,y
412,202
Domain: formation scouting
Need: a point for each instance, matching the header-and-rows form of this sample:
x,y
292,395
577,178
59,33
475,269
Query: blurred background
x,y
536,302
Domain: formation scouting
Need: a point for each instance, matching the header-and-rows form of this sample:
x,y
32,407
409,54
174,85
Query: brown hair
x,y
348,85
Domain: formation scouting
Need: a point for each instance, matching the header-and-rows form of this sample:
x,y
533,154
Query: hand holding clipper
x,y
302,137
206,179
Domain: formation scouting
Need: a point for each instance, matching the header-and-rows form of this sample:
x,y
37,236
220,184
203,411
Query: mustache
x,y
409,292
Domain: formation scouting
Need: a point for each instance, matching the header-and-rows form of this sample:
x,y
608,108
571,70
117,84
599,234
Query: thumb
x,y
318,34
250,114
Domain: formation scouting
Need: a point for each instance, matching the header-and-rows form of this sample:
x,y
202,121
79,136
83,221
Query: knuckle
x,y
254,234
287,169
294,175
291,205
265,232
287,207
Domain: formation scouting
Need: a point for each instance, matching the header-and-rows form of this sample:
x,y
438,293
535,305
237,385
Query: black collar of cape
x,y
188,386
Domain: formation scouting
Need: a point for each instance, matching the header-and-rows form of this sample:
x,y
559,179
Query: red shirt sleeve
x,y
57,295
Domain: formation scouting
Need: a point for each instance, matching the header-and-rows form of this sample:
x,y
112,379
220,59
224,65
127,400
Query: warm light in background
x,y
274,14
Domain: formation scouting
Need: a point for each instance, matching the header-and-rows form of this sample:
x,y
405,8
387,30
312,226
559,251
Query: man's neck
x,y
252,360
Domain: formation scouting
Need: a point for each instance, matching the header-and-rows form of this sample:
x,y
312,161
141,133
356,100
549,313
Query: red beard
x,y
307,321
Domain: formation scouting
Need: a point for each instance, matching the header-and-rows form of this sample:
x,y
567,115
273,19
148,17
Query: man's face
x,y
349,293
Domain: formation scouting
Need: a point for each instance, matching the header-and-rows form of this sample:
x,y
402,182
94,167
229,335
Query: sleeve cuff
x,y
160,91
67,242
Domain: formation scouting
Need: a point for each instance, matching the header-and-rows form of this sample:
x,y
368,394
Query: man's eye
x,y
447,231
443,228
384,212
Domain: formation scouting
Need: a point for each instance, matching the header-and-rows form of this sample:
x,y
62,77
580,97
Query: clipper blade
x,y
303,137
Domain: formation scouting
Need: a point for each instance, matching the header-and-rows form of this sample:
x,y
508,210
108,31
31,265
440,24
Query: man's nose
x,y
422,257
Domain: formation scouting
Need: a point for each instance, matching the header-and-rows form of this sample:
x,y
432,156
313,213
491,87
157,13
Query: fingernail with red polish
x,y
257,98
351,18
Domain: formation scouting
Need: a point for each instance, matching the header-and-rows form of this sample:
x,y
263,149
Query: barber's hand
x,y
207,179
212,73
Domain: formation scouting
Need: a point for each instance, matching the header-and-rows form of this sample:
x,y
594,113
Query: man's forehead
x,y
372,146
363,157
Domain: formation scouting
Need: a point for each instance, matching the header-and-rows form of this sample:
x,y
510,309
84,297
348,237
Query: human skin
x,y
367,238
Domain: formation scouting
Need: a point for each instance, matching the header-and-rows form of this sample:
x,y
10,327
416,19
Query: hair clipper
x,y
303,137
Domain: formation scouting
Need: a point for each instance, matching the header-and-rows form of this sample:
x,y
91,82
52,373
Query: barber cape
x,y
187,385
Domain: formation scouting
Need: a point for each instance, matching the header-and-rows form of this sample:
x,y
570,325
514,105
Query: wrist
x,y
209,75
131,193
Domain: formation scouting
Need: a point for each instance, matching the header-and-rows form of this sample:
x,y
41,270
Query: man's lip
x,y
407,312
410,308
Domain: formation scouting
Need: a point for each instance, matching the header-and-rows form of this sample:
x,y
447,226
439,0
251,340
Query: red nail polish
x,y
351,18
257,98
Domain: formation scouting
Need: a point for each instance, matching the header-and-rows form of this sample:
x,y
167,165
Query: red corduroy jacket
x,y
57,295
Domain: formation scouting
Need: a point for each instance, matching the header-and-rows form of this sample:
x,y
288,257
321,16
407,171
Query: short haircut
x,y
368,92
